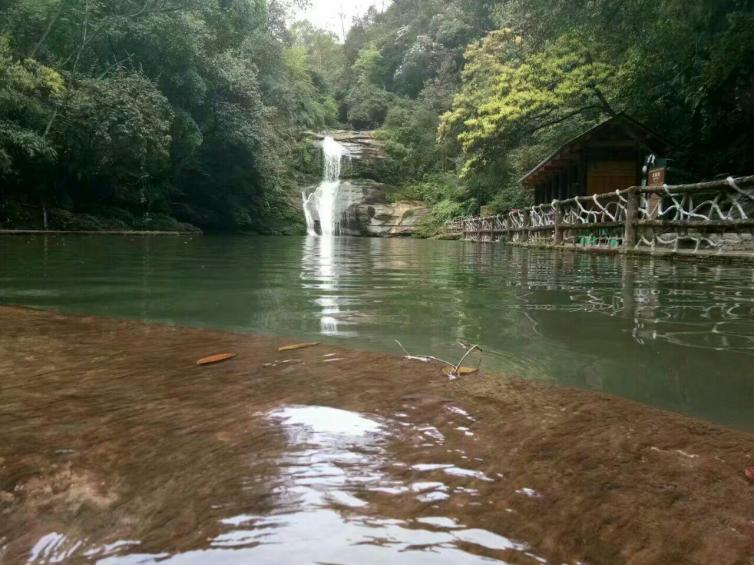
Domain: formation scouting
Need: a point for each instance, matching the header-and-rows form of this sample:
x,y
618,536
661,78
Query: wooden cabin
x,y
608,157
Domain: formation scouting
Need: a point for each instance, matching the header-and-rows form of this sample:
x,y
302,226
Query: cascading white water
x,y
323,203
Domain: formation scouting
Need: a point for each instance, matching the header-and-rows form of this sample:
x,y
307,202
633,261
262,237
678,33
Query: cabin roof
x,y
654,141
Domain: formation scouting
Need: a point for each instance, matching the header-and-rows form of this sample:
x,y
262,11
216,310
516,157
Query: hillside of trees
x,y
471,94
144,114
150,113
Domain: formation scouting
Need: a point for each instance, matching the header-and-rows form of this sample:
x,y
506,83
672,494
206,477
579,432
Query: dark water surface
x,y
677,335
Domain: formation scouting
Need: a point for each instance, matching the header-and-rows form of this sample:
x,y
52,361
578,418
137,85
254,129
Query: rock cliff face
x,y
368,213
367,154
367,210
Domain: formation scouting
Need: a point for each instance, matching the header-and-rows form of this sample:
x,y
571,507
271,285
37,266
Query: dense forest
x,y
150,113
123,113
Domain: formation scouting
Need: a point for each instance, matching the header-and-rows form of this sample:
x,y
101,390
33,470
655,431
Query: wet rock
x,y
391,220
368,213
367,156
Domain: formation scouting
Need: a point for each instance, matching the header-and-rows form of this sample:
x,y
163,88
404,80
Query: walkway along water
x,y
705,219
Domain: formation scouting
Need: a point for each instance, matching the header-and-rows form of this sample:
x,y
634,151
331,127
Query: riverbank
x,y
118,232
110,432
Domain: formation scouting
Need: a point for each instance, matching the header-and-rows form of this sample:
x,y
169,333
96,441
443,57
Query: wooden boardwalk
x,y
705,219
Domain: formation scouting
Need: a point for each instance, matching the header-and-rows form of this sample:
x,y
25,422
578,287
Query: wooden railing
x,y
715,217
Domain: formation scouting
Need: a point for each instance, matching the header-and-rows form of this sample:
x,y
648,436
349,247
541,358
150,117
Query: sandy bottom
x,y
115,446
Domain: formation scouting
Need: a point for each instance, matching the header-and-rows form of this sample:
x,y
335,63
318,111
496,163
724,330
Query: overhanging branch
x,y
565,117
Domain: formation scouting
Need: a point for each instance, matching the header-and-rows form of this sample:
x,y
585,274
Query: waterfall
x,y
310,225
323,203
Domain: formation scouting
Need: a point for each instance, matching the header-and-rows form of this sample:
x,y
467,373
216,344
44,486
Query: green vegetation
x,y
124,113
164,112
483,90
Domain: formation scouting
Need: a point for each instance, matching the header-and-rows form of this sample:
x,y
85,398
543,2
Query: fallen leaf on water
x,y
297,346
749,473
219,358
462,371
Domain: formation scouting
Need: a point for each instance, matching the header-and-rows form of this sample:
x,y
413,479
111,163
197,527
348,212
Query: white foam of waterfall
x,y
324,203
310,225
333,154
328,202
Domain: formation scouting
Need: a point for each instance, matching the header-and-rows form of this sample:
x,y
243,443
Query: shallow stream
x,y
677,335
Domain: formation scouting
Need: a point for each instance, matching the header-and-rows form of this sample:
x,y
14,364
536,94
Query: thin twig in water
x,y
428,358
412,357
448,363
457,367
422,358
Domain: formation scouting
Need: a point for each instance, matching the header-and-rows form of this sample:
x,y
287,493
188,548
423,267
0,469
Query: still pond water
x,y
677,335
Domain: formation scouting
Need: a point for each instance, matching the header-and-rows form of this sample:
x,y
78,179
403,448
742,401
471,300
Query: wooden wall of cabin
x,y
606,159
560,184
612,169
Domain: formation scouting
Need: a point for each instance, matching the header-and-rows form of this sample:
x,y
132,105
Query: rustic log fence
x,y
705,218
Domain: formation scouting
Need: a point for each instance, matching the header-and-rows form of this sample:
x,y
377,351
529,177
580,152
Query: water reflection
x,y
321,272
341,495
687,304
673,334
337,460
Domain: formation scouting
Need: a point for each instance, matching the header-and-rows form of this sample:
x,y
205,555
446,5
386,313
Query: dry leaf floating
x,y
214,359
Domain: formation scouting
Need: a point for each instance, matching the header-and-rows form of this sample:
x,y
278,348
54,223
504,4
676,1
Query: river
x,y
677,335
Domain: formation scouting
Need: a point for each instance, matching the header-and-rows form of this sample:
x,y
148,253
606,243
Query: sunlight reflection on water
x,y
670,334
333,458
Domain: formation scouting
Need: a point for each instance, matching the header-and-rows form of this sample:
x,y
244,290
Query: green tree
x,y
194,104
116,138
28,91
514,97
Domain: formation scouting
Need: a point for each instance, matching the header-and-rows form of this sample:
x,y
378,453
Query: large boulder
x,y
400,219
367,211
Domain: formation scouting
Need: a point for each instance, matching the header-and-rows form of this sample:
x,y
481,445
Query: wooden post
x,y
632,216
526,226
558,237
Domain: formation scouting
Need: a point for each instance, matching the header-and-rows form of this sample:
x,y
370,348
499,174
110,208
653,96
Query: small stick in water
x,y
297,346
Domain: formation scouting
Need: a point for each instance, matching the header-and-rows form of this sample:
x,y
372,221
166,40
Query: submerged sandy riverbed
x,y
115,445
